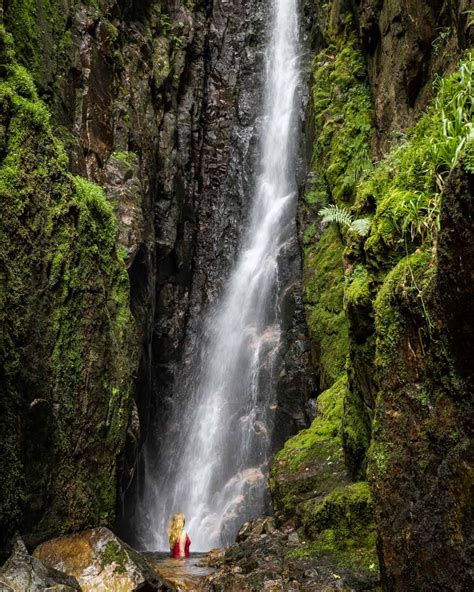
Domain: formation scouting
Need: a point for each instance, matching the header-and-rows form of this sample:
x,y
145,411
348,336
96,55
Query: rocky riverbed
x,y
263,558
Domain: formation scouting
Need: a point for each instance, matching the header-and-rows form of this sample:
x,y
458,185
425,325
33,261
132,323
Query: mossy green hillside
x,y
67,333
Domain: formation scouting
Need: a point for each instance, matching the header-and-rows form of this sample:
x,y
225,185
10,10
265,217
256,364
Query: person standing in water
x,y
178,537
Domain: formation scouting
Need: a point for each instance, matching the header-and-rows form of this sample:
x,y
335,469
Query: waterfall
x,y
213,466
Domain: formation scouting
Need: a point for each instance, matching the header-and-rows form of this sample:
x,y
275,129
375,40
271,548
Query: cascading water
x,y
218,436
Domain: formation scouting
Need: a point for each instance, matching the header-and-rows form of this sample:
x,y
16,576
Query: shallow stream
x,y
185,574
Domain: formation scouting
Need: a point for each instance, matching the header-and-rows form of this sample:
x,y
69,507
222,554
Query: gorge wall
x,y
127,129
393,408
155,103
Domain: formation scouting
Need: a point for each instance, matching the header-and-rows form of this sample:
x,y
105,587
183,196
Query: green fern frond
x,y
341,215
361,226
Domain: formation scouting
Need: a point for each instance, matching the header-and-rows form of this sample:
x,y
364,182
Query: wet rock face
x,y
100,561
406,45
422,462
456,270
205,178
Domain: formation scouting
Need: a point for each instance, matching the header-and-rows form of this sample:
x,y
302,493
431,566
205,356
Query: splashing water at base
x,y
216,473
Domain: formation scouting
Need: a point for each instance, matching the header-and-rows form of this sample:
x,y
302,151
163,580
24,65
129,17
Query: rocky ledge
x,y
271,559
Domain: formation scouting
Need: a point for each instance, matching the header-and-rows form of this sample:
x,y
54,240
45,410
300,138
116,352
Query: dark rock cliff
x,y
214,196
156,103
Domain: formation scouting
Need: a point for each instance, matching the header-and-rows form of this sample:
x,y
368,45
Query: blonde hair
x,y
175,528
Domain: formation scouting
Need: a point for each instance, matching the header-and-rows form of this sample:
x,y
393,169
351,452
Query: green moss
x,y
343,119
341,528
403,326
323,283
356,433
128,158
356,420
378,458
67,340
343,122
306,444
311,463
114,554
39,30
404,287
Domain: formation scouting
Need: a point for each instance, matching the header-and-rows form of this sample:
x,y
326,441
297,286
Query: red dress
x,y
175,549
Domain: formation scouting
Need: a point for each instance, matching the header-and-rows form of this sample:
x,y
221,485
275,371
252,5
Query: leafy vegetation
x,y
407,187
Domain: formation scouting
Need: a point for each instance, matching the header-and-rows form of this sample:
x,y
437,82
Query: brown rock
x,y
100,561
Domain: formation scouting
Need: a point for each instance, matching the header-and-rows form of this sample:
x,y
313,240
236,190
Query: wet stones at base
x,y
267,558
22,572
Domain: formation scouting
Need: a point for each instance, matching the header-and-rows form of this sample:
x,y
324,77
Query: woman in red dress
x,y
177,536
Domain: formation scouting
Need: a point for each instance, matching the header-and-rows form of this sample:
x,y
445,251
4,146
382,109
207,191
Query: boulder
x,y
101,562
22,572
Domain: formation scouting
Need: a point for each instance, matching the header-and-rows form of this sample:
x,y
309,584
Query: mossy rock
x,y
341,527
311,464
361,391
100,561
68,340
323,289
344,120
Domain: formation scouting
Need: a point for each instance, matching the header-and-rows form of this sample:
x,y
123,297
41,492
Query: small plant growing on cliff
x,y
420,216
440,39
341,215
456,105
470,18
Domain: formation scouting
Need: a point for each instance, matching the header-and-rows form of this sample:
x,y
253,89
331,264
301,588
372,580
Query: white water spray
x,y
213,467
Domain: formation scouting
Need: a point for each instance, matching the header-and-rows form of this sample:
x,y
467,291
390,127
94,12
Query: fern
x,y
341,215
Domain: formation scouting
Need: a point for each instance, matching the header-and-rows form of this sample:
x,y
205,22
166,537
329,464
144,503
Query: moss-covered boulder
x,y
341,527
